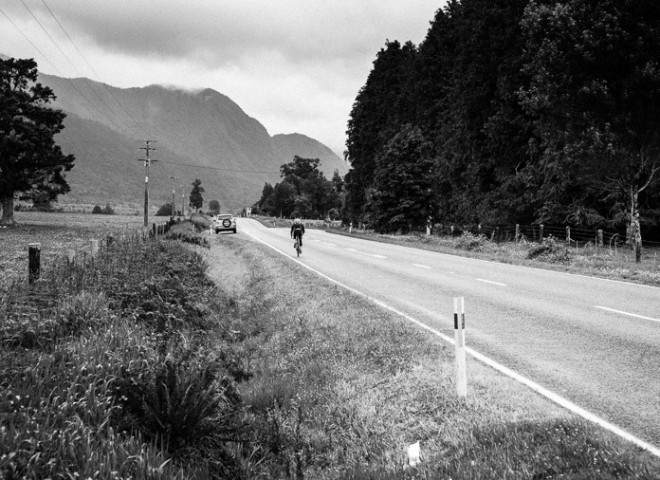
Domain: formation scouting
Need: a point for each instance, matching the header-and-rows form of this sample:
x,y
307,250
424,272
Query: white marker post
x,y
459,343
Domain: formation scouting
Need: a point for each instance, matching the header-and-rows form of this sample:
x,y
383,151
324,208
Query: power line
x,y
216,168
76,69
91,67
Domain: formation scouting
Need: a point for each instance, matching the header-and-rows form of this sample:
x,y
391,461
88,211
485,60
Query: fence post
x,y
350,227
599,238
541,233
71,257
459,344
517,232
95,247
568,237
452,231
34,263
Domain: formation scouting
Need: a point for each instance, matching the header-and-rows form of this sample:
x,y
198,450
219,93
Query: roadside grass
x,y
551,254
340,388
161,359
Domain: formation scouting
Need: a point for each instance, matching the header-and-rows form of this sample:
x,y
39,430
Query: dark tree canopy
x,y
303,192
536,111
31,163
196,199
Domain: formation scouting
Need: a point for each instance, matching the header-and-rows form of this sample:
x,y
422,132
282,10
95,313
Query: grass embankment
x,y
136,365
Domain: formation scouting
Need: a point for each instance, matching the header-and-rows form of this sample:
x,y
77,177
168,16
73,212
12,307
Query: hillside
x,y
199,134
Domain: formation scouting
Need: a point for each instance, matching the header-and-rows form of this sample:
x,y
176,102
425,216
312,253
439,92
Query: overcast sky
x,y
294,65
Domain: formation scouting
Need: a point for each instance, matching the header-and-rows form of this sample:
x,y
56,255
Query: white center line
x,y
375,256
491,282
628,313
351,250
422,266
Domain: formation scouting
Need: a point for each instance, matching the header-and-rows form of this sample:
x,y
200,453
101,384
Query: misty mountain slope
x,y
199,134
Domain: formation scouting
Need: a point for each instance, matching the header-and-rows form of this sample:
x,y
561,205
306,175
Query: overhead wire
x,y
216,168
103,83
73,86
118,125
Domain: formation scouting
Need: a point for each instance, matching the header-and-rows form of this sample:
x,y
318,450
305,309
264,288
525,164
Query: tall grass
x,y
145,363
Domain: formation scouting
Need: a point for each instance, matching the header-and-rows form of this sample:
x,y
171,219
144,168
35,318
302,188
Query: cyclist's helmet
x,y
297,221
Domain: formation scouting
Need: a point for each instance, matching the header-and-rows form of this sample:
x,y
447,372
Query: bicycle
x,y
297,246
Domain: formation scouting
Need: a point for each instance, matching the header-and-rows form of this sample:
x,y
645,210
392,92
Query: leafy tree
x,y
196,199
165,210
403,195
595,91
31,163
214,207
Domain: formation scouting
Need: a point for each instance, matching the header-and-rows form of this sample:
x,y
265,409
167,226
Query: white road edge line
x,y
627,313
559,400
421,266
491,282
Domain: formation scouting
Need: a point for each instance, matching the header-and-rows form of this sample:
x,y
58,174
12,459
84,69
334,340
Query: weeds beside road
x,y
164,360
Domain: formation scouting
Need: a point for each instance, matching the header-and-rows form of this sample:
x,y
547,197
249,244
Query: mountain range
x,y
198,134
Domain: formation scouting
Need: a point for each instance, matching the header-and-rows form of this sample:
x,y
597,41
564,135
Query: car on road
x,y
224,222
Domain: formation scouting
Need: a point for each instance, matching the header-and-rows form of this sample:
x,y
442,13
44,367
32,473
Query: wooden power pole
x,y
147,163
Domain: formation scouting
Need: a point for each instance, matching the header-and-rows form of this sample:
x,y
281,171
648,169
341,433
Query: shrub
x,y
165,210
549,250
469,241
174,401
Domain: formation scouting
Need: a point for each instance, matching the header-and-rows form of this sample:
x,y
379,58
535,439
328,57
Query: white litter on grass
x,y
413,454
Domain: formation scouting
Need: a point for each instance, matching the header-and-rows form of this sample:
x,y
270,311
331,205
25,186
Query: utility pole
x,y
183,200
147,163
173,205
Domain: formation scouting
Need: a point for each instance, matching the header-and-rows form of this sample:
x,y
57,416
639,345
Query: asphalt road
x,y
595,342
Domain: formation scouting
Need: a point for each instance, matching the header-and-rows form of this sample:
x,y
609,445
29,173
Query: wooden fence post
x,y
71,257
94,247
599,238
541,233
34,263
517,232
459,344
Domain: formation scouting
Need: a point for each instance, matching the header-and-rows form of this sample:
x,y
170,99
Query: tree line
x,y
303,192
513,111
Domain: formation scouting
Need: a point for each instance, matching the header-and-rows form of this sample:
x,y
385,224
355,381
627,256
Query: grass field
x,y
288,376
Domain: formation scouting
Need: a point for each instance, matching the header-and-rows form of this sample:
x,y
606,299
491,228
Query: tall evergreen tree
x,y
196,199
31,163
596,94
381,107
403,197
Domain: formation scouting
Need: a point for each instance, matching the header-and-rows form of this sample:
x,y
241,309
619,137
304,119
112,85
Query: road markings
x,y
324,243
559,400
491,282
364,253
628,313
421,266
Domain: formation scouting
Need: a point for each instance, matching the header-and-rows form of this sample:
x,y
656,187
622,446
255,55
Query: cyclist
x,y
297,230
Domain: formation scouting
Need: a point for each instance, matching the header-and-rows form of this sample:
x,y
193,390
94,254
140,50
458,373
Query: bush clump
x,y
471,242
550,250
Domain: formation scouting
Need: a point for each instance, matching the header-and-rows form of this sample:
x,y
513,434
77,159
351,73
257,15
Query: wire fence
x,y
573,237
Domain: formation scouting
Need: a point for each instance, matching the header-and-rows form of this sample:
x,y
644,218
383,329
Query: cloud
x,y
295,65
